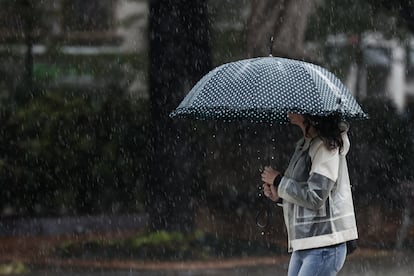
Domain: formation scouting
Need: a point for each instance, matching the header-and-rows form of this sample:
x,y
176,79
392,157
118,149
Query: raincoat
x,y
317,200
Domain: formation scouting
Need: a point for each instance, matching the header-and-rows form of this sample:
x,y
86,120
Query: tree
x,y
179,55
286,21
27,24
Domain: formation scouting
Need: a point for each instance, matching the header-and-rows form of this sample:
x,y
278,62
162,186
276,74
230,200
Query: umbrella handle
x,y
266,213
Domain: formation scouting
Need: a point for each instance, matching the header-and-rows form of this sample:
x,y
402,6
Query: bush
x,y
164,245
73,154
381,153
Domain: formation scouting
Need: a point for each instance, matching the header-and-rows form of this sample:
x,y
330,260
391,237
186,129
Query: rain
x,y
99,179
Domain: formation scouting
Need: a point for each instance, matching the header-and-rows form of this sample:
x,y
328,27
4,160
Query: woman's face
x,y
299,120
296,119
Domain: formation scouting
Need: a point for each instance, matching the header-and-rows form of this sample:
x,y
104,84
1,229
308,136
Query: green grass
x,y
167,246
13,268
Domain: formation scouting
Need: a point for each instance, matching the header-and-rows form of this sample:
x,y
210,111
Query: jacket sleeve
x,y
313,193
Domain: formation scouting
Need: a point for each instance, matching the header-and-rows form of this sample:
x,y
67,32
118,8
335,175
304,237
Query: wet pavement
x,y
28,241
379,264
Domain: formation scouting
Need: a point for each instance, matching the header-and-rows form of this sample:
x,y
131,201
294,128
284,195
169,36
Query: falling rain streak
x,y
95,173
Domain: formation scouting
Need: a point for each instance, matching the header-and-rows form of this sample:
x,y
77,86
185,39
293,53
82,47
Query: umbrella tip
x,y
271,46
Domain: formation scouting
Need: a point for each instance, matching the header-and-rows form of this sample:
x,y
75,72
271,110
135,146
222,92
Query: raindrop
x,y
262,233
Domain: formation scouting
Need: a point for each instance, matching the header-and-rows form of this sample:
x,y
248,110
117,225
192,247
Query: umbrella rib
x,y
327,81
334,88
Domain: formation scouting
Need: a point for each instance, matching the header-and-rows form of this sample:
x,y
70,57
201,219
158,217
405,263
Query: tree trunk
x,y
25,12
28,72
285,21
406,190
405,225
28,33
179,56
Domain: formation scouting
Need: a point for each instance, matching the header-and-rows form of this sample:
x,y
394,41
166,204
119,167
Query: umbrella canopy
x,y
265,89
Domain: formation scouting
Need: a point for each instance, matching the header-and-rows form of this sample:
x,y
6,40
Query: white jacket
x,y
317,200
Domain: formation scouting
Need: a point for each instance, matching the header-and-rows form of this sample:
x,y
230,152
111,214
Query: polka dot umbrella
x,y
265,89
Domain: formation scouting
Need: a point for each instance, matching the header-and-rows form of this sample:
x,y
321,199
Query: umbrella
x,y
264,89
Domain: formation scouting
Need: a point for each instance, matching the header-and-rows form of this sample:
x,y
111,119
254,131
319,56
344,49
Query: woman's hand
x,y
269,191
268,177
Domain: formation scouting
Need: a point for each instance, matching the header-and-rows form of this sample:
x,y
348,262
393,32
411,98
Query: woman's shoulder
x,y
318,146
324,161
315,145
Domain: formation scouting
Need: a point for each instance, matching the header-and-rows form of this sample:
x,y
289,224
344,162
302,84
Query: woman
x,y
317,201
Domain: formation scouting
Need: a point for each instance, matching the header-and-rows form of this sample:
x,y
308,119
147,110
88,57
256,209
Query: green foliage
x,y
163,245
13,268
73,154
381,152
157,238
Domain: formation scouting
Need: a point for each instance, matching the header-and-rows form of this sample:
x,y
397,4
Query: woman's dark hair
x,y
328,129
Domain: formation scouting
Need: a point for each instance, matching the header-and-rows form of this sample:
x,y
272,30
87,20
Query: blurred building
x,y
120,23
112,36
385,68
74,30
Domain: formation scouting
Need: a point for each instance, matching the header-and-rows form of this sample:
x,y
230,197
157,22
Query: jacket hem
x,y
324,240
